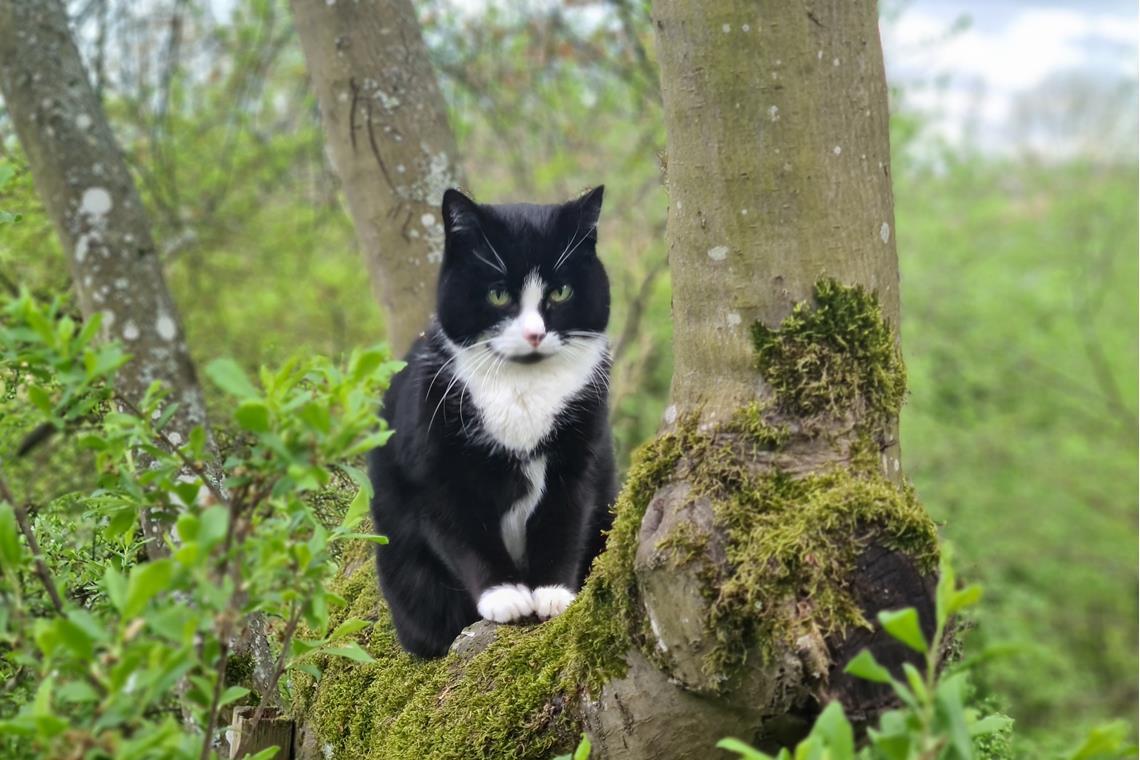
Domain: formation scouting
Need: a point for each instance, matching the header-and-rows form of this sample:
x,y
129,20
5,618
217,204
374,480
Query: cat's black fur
x,y
443,482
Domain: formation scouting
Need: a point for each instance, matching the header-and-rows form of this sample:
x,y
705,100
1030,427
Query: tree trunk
x,y
758,535
89,194
385,125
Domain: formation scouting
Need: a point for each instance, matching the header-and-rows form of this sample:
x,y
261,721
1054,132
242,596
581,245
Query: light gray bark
x,y
385,125
778,174
89,194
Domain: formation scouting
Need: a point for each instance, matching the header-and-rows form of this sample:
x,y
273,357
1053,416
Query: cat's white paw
x,y
506,602
551,600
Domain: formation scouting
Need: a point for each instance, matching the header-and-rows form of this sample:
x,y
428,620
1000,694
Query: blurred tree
x,y
385,124
91,198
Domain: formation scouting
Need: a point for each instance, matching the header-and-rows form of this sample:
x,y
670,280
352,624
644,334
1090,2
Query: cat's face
x,y
523,280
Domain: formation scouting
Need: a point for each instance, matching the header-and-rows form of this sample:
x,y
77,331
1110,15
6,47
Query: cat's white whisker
x,y
565,257
502,267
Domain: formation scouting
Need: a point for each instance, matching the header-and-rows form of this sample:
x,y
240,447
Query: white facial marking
x,y
504,603
512,526
551,600
513,341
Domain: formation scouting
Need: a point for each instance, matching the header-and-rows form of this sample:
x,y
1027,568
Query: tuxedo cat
x,y
496,487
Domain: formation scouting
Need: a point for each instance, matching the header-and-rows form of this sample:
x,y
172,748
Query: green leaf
x,y
915,681
865,666
742,749
116,586
832,725
350,651
349,627
583,750
1106,742
357,509
264,754
903,626
145,581
75,638
40,399
75,692
197,444
187,526
231,378
375,538
253,415
950,711
232,694
214,523
364,363
990,725
11,550
967,597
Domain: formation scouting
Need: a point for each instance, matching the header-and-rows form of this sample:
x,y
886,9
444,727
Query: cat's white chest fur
x,y
512,526
519,403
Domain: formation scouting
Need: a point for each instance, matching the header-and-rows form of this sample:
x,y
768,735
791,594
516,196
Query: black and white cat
x,y
496,488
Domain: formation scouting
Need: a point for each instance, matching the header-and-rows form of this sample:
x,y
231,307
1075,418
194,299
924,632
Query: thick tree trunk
x,y
385,125
91,198
758,535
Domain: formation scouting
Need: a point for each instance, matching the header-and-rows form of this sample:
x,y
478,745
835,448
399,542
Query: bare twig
x,y
30,537
279,668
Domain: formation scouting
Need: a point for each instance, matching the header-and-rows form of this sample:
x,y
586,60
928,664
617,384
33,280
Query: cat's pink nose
x,y
534,337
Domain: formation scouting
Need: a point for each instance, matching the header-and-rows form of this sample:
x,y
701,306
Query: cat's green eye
x,y
498,297
561,295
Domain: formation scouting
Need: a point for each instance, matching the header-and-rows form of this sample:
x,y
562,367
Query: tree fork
x,y
385,125
756,538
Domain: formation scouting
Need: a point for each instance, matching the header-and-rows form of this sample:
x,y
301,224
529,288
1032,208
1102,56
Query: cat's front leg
x,y
556,533
487,573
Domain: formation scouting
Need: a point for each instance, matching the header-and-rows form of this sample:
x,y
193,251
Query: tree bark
x,y
778,166
757,537
385,125
91,198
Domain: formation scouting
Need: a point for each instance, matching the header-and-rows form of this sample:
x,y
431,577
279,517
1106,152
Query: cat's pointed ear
x,y
459,212
590,209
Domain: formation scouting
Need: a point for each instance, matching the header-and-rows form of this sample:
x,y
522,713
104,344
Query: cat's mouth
x,y
531,358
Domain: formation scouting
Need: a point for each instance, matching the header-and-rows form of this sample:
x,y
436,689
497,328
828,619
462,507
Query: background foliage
x,y
1019,272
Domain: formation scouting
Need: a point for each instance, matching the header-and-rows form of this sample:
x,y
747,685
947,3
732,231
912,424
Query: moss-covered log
x,y
756,537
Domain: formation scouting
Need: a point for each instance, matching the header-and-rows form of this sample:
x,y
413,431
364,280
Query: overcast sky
x,y
1009,50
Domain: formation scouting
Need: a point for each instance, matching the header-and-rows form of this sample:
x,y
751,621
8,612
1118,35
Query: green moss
x,y
512,699
685,543
832,356
798,541
790,543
